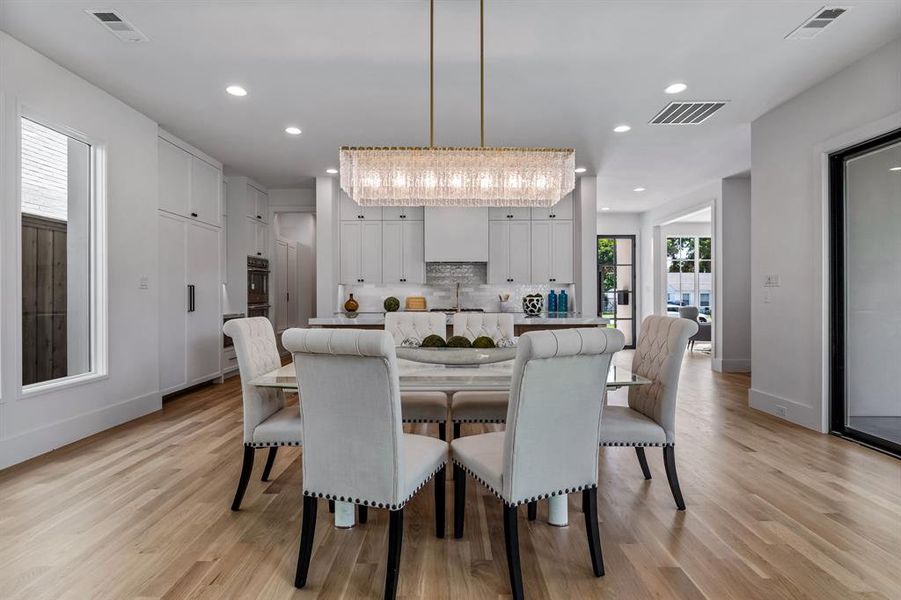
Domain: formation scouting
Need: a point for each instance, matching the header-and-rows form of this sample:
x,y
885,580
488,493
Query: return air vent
x,y
687,113
117,25
816,23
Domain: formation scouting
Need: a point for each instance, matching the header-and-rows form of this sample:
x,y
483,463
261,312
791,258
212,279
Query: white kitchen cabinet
x,y
500,213
562,210
509,259
402,213
255,237
257,204
552,251
403,252
190,315
351,211
360,252
188,186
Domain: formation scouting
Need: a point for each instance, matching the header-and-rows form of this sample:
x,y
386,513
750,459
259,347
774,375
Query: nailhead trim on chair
x,y
479,420
271,444
638,444
526,500
423,421
371,502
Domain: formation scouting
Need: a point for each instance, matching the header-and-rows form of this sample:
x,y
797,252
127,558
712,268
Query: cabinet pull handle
x,y
403,216
194,215
259,254
191,297
259,217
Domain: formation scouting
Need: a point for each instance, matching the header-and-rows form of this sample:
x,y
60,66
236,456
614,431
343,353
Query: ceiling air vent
x,y
117,25
816,23
687,113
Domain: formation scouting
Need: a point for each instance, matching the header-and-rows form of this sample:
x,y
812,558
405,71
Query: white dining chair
x,y
420,407
268,423
355,449
549,447
650,418
481,407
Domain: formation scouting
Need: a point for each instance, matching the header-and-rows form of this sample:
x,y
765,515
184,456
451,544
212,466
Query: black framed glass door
x,y
616,283
865,291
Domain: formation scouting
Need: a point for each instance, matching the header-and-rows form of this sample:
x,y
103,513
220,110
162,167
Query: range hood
x,y
455,234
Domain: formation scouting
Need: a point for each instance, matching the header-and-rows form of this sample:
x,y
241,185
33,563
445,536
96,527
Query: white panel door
x,y
413,251
291,296
393,251
500,213
173,303
518,252
499,252
174,178
204,322
562,251
280,271
206,186
350,252
541,251
371,256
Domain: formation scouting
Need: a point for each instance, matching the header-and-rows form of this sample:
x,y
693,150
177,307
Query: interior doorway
x,y
616,283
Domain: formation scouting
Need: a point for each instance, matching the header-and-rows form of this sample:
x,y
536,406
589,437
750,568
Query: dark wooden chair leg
x,y
362,513
442,431
308,530
439,479
270,460
331,506
590,506
533,510
669,462
643,461
395,537
456,430
511,538
246,469
459,500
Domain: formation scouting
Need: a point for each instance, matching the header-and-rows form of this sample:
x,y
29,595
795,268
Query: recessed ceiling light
x,y
236,90
292,130
895,169
581,169
621,128
675,88
332,171
638,189
605,208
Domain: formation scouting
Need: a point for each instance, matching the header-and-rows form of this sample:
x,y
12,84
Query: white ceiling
x,y
558,73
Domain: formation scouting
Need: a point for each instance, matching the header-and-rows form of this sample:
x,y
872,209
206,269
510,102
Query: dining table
x,y
416,376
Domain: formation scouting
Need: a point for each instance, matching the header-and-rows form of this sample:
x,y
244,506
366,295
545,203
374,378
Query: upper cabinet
x,y
561,210
351,211
361,252
509,256
402,213
189,186
256,205
552,251
499,213
403,252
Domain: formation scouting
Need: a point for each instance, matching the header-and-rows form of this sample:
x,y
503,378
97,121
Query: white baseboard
x,y
790,410
731,365
41,440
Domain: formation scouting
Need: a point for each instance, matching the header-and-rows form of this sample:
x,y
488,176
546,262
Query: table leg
x,y
558,510
345,516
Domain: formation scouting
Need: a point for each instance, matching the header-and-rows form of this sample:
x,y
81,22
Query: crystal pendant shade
x,y
538,177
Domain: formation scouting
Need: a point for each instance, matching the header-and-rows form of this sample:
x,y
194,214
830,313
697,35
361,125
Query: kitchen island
x,y
521,322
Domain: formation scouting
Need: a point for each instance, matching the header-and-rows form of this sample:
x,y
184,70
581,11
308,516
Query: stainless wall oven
x,y
257,287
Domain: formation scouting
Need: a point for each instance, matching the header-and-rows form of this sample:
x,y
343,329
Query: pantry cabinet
x,y
189,186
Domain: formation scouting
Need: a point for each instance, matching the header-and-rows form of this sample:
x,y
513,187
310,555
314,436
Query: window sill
x,y
48,387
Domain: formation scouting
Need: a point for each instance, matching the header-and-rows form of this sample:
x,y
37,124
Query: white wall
x,y
301,228
732,266
585,253
788,219
38,423
292,198
327,223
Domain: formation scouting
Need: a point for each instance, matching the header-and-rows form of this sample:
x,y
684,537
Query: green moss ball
x,y
434,341
391,304
458,341
483,342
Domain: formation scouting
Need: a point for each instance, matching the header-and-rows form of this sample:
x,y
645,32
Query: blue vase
x,y
552,302
563,302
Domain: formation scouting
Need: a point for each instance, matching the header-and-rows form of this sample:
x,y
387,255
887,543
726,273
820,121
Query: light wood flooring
x,y
142,511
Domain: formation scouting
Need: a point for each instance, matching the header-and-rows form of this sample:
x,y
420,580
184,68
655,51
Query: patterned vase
x,y
532,305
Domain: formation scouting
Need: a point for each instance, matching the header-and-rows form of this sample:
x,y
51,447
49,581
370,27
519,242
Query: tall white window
x,y
689,277
56,259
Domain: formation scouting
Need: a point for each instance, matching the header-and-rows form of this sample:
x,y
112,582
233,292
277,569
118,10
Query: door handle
x,y
191,297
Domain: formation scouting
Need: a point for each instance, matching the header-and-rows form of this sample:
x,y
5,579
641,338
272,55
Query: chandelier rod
x,y
431,73
482,73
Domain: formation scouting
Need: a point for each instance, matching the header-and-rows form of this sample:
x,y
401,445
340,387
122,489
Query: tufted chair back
x,y
554,414
658,356
351,414
415,324
493,325
257,355
688,312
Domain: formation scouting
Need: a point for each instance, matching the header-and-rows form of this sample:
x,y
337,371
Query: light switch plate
x,y
771,280
144,283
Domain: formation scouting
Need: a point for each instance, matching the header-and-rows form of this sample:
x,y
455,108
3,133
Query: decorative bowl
x,y
457,357
533,304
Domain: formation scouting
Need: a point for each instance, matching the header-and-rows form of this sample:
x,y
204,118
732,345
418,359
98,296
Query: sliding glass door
x,y
865,190
616,283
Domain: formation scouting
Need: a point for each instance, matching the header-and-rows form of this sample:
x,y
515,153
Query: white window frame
x,y
697,260
99,309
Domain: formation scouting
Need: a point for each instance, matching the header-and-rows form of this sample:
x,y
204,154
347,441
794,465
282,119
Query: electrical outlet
x,y
771,280
144,283
781,411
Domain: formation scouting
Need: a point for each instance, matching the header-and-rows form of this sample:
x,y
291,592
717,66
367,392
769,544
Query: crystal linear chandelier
x,y
453,176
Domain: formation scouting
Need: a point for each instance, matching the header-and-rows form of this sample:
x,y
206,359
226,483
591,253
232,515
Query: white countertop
x,y
518,319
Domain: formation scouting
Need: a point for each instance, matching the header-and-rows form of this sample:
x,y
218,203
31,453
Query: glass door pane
x,y
616,283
